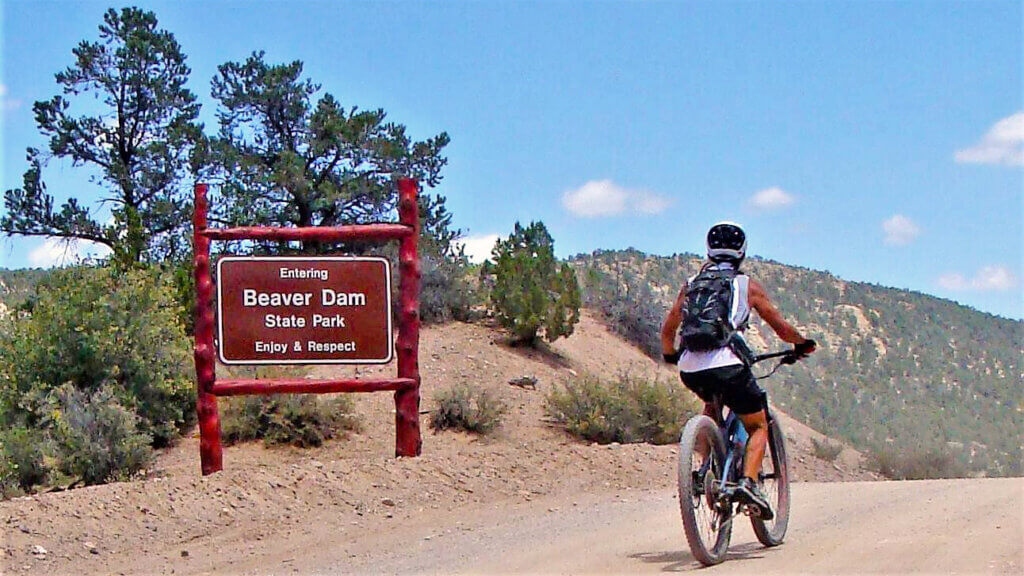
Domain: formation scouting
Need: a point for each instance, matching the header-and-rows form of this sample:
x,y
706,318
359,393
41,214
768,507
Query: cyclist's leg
x,y
757,427
702,385
746,399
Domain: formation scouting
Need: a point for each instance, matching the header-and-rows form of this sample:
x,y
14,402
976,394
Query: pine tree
x,y
531,290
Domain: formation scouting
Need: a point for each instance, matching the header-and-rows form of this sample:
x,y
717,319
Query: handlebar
x,y
788,356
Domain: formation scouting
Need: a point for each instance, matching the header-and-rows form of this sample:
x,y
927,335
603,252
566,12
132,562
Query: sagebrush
x,y
468,408
909,463
826,450
96,440
628,409
21,460
301,420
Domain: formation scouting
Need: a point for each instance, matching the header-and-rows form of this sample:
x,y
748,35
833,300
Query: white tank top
x,y
740,313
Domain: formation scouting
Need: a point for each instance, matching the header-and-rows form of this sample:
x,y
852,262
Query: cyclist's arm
x,y
759,301
672,322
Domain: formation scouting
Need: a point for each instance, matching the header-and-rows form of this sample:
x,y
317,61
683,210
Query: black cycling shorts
x,y
736,384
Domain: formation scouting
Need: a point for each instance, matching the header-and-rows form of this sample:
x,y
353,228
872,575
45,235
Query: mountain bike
x,y
707,485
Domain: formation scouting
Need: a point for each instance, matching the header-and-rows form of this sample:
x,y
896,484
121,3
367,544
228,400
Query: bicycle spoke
x,y
708,519
770,484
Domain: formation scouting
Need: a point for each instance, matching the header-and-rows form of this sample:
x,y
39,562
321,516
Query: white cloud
x,y
478,248
600,198
1002,144
986,279
58,252
771,198
900,230
8,104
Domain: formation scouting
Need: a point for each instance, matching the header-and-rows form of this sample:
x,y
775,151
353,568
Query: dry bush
x,y
301,420
463,407
915,464
96,439
629,409
826,450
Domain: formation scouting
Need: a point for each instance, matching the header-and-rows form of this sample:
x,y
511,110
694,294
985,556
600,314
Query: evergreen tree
x,y
287,160
140,143
531,290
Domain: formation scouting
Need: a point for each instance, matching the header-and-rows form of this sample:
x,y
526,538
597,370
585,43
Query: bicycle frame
x,y
730,427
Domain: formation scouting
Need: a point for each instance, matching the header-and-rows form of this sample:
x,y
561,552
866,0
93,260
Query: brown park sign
x,y
284,310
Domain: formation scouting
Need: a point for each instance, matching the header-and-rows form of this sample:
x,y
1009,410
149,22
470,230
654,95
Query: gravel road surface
x,y
940,527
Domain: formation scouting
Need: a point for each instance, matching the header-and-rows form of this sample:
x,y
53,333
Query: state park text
x,y
304,310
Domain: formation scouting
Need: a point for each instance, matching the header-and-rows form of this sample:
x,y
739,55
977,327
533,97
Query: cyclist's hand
x,y
805,348
672,358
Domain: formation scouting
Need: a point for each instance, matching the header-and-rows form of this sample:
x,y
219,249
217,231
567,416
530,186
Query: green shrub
x,y
21,451
96,439
531,290
826,450
9,487
468,408
632,409
94,328
298,419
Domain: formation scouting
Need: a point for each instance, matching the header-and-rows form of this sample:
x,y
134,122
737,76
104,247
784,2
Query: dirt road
x,y
941,527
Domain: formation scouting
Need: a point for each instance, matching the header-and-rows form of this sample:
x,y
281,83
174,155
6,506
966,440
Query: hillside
x,y
899,372
269,502
16,285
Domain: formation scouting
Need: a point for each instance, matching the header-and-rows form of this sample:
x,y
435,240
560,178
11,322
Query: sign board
x,y
298,310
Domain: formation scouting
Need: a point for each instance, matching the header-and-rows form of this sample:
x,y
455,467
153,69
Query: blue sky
x,y
879,141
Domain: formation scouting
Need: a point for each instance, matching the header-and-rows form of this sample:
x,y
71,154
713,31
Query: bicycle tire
x,y
708,549
772,532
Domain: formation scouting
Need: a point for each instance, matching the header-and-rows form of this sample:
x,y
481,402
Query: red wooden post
x,y
206,405
407,400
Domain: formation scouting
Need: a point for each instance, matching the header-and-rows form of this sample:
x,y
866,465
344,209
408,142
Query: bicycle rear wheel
x,y
774,480
708,527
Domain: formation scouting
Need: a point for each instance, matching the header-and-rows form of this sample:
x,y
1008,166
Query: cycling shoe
x,y
747,492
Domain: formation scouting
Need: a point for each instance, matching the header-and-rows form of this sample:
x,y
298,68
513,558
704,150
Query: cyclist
x,y
725,368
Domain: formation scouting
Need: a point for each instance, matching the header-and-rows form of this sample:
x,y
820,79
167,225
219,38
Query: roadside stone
x,y
91,547
38,551
387,502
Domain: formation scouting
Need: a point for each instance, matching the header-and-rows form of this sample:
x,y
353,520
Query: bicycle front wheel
x,y
707,524
774,480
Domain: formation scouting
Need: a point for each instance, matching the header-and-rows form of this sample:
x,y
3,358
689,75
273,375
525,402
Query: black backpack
x,y
707,325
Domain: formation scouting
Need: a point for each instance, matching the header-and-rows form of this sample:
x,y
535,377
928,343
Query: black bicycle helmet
x,y
727,243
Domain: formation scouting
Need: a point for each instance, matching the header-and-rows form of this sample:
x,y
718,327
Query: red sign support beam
x,y
408,441
407,400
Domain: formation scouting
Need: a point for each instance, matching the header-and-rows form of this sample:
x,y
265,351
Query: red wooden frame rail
x,y
406,386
